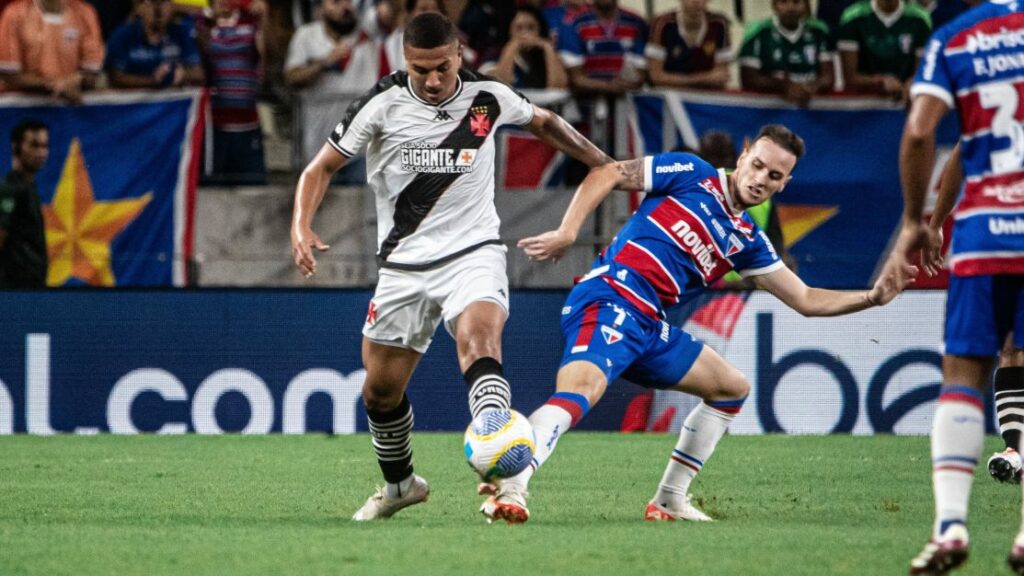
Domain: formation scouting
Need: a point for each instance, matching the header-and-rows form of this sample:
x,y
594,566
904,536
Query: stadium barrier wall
x,y
260,361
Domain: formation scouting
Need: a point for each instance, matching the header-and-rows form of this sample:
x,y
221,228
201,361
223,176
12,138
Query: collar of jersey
x,y
792,36
682,30
723,177
458,90
888,19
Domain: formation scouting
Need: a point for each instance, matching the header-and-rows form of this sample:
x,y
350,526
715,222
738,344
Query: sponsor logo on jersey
x,y
1007,194
621,274
664,331
339,130
420,157
566,310
692,235
718,227
1003,39
442,115
611,335
674,167
480,121
1004,226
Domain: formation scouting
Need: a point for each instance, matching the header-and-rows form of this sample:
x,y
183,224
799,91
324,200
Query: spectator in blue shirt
x,y
152,51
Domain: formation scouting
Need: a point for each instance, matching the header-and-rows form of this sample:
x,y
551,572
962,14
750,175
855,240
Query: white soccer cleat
x,y
379,506
657,512
1005,466
942,554
508,504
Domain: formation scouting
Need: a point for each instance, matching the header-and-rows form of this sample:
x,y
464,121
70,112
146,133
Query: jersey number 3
x,y
1003,97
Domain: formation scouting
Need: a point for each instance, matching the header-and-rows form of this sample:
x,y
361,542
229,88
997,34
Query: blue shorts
x,y
605,330
980,311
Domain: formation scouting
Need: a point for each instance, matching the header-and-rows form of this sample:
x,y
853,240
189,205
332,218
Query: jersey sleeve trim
x,y
932,90
763,270
340,149
648,173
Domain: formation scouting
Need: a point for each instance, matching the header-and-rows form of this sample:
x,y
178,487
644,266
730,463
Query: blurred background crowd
x,y
258,57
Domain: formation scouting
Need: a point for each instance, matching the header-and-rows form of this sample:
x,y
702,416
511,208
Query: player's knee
x,y
732,385
380,396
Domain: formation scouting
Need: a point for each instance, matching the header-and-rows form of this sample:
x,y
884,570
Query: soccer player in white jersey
x,y
972,65
428,134
690,230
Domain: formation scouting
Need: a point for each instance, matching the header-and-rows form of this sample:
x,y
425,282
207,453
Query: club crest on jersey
x,y
611,335
371,314
735,246
480,121
426,158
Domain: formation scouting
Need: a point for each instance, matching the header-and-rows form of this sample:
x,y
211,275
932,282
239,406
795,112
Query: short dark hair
x,y
18,133
429,30
784,137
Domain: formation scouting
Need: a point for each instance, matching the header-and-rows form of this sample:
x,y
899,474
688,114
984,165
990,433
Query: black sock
x,y
488,389
1010,404
391,431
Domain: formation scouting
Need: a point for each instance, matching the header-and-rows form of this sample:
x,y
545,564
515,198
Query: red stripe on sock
x,y
689,465
731,410
954,468
960,397
575,410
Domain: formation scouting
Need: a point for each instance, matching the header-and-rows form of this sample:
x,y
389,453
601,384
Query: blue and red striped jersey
x,y
603,47
976,65
685,235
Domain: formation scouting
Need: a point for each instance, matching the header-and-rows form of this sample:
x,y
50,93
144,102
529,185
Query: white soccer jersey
x,y
431,167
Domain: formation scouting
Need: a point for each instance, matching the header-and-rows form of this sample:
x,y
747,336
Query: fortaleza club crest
x,y
480,121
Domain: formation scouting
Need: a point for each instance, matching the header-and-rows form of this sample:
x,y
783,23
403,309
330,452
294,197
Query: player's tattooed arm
x,y
556,132
631,174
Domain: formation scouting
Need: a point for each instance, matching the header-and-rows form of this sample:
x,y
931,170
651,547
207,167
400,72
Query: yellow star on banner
x,y
79,228
800,220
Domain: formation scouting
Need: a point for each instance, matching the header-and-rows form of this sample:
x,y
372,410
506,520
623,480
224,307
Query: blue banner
x,y
843,204
118,187
257,361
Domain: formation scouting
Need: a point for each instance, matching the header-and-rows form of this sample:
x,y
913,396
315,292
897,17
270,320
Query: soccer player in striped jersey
x,y
429,139
973,64
689,231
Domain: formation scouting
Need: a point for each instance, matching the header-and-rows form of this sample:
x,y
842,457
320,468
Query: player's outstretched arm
x,y
626,175
308,194
808,301
556,132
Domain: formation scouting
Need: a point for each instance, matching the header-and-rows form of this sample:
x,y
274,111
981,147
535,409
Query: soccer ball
x,y
499,444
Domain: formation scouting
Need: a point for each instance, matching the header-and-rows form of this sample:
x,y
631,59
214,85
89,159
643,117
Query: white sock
x,y
958,431
398,490
702,430
549,423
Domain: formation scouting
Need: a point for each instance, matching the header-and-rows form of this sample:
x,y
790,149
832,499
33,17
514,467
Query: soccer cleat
x,y
656,512
508,504
1005,466
379,506
940,555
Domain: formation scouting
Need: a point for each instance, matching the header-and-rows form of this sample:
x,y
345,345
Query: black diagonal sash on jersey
x,y
419,196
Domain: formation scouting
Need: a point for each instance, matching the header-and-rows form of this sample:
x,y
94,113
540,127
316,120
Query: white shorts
x,y
407,306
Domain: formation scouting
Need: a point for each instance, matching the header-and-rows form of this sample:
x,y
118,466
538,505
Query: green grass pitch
x,y
280,505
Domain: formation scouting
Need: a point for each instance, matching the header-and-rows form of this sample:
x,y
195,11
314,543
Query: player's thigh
x,y
669,354
401,312
388,371
478,332
980,312
973,371
713,379
604,336
1012,354
479,276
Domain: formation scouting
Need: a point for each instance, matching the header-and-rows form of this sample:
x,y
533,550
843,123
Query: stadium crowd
x,y
253,51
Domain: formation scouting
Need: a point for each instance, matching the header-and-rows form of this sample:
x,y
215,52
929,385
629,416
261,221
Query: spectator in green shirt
x,y
787,54
880,43
23,260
